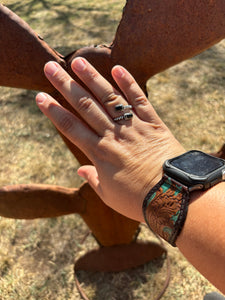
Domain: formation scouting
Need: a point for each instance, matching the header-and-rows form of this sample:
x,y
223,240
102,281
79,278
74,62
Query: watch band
x,y
165,208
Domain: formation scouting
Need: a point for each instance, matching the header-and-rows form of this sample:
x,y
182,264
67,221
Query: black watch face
x,y
196,169
197,163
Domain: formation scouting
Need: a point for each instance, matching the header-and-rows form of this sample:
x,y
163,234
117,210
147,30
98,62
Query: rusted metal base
x,y
119,257
220,153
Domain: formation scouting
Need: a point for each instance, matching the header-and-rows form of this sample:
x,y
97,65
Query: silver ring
x,y
126,117
121,107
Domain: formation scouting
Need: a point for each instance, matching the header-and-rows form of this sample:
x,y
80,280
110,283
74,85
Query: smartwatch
x,y
165,206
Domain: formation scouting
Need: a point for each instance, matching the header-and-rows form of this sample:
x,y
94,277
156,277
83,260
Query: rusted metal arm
x,y
45,201
39,201
23,54
220,153
155,35
152,36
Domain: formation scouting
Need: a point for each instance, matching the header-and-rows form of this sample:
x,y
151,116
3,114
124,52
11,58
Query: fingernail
x,y
51,67
79,64
40,98
118,72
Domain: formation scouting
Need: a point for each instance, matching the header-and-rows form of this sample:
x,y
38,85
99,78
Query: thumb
x,y
91,175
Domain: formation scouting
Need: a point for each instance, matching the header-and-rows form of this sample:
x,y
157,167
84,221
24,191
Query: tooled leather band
x,y
165,208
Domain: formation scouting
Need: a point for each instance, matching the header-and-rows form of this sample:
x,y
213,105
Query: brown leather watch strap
x,y
165,208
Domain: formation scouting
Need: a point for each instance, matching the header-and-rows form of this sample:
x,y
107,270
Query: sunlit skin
x,y
128,155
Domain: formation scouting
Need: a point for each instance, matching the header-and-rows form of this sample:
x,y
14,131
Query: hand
x,y
127,155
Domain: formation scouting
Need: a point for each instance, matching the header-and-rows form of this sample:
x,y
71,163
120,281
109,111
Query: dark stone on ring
x,y
128,116
119,107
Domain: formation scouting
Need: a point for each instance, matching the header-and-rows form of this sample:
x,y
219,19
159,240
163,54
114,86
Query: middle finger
x,y
106,94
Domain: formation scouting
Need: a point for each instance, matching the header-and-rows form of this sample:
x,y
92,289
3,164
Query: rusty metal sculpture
x,y
151,37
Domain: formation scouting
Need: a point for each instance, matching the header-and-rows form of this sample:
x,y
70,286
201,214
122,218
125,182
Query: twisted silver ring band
x,y
126,116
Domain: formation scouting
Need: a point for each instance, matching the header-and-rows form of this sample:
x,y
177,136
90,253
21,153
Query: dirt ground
x,y
37,256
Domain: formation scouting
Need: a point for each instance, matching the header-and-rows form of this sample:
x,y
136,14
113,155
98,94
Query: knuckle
x,y
66,123
60,78
91,76
141,100
109,98
130,84
102,151
84,103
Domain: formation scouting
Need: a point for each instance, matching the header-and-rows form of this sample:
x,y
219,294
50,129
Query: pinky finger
x,y
134,94
68,124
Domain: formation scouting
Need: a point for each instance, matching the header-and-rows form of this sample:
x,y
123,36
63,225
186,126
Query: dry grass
x,y
36,257
194,91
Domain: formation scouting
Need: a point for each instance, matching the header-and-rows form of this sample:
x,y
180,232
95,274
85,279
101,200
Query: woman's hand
x,y
127,155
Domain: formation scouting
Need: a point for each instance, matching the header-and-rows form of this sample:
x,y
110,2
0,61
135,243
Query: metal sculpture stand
x,y
151,37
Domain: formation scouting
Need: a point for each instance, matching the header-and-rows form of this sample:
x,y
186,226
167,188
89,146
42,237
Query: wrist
x,y
165,206
202,238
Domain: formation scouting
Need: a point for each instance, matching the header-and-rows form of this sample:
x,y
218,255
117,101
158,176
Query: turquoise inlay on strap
x,y
168,230
166,185
151,198
175,217
177,192
179,187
